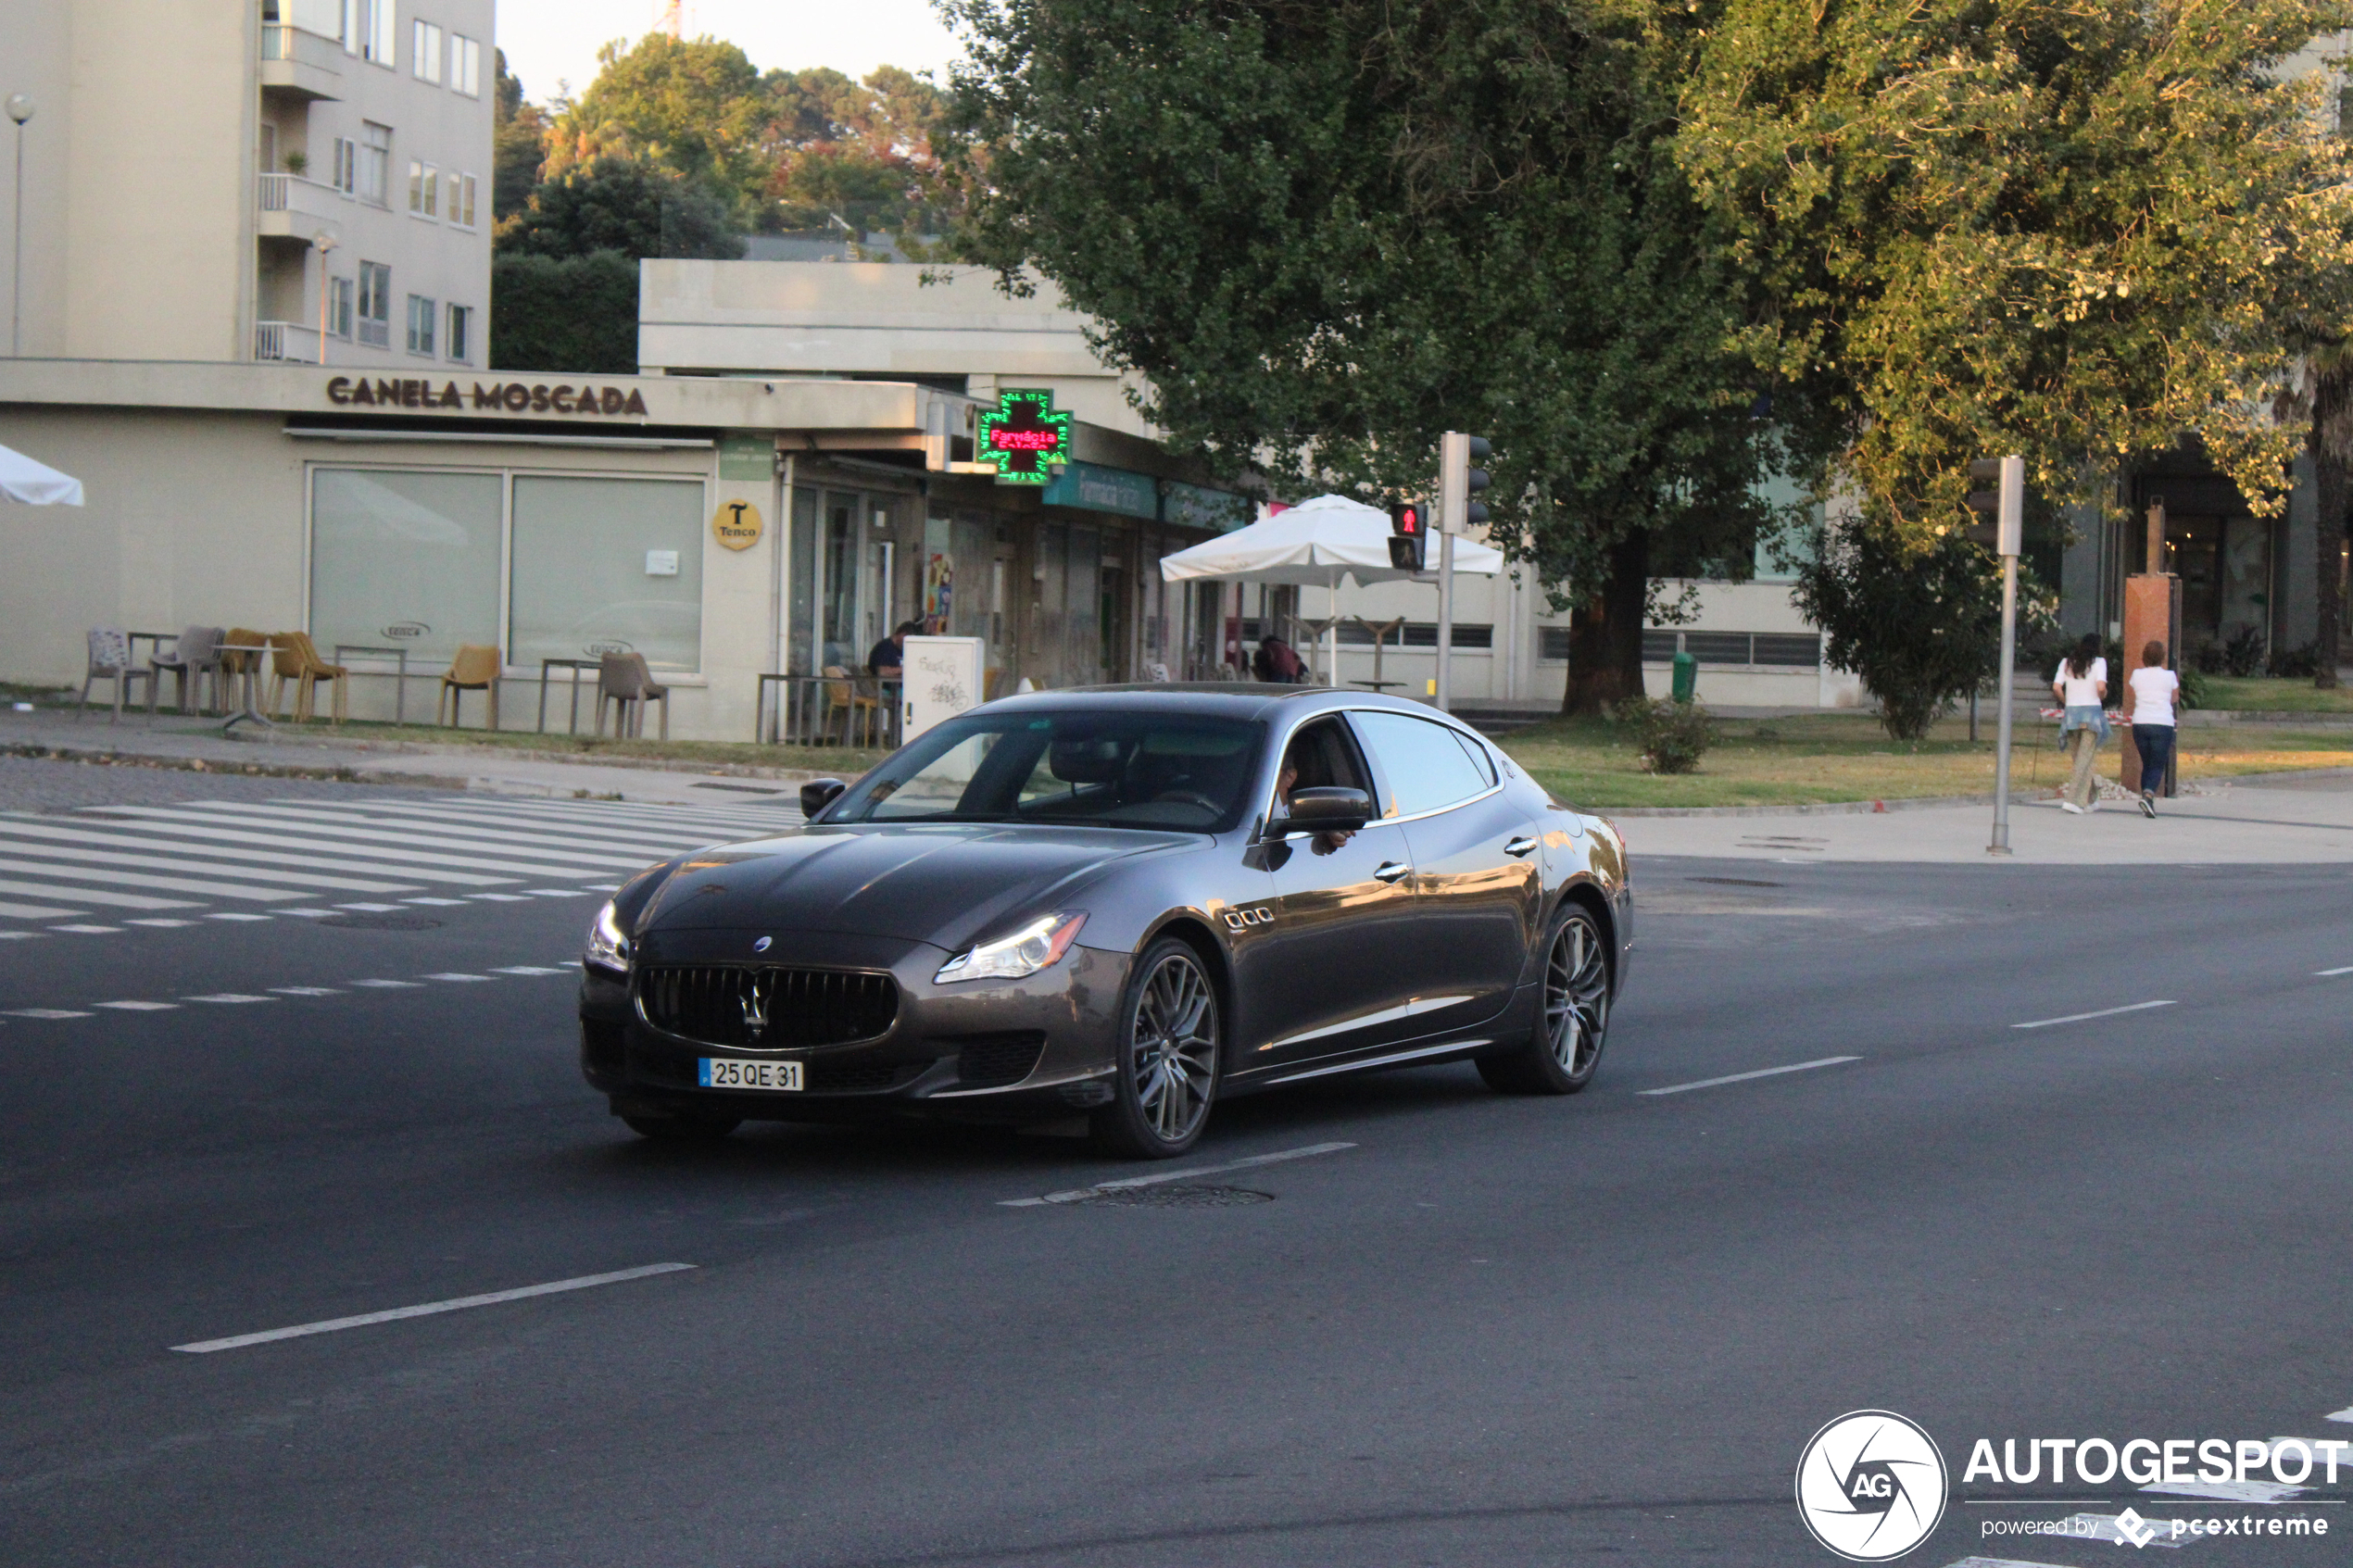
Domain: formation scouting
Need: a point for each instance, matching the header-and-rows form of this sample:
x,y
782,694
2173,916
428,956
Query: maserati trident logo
x,y
762,945
1870,1485
755,1004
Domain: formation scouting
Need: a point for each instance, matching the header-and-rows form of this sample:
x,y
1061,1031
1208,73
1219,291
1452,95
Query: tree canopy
x,y
618,203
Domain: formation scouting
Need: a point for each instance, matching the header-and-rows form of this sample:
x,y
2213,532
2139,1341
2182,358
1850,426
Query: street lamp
x,y
322,243
19,110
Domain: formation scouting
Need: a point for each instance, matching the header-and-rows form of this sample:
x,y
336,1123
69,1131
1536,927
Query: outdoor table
x,y
400,690
575,666
1380,630
798,700
249,695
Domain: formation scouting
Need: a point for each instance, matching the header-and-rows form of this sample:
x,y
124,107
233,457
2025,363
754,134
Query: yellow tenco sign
x,y
737,525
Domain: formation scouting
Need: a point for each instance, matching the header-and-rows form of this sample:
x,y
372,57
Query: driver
x,y
1302,753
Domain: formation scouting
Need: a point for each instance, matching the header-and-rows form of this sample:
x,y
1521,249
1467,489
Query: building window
x,y
425,51
461,335
339,307
424,189
465,64
347,171
581,578
375,304
461,200
370,23
401,555
421,314
375,163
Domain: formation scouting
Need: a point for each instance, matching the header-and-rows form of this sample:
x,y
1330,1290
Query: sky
x,y
547,41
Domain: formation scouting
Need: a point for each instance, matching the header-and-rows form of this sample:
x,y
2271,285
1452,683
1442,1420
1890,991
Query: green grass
x,y
1827,757
2265,694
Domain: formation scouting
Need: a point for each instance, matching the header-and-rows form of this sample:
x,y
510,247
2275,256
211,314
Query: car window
x,y
1425,767
1103,769
1478,753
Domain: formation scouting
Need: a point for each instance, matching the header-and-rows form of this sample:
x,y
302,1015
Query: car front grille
x,y
992,1060
717,1005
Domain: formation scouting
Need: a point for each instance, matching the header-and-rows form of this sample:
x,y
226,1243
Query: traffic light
x,y
1458,481
1408,534
2001,509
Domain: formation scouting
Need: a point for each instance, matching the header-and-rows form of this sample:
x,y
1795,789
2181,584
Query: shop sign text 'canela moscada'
x,y
511,397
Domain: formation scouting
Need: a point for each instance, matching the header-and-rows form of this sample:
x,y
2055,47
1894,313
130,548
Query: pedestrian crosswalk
x,y
112,870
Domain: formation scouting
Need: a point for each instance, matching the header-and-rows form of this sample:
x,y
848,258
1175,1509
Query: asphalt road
x,y
1505,1331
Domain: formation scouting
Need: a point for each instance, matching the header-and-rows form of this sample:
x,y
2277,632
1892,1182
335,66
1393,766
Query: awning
x,y
1316,544
36,485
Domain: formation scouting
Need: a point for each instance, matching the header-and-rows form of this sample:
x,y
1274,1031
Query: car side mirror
x,y
1327,810
818,793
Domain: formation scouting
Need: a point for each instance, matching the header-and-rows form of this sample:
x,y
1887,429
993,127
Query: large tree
x,y
696,106
619,204
1325,232
1969,227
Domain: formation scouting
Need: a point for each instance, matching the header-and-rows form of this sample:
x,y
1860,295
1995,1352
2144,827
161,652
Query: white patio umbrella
x,y
1318,543
36,485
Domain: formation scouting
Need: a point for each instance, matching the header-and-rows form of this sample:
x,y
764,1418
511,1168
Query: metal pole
x,y
1445,617
16,268
2008,528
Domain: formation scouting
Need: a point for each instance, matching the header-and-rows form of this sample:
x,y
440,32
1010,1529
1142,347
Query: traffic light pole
x,y
1445,617
2010,529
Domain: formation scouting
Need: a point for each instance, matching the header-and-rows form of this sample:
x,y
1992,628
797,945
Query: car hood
x,y
944,883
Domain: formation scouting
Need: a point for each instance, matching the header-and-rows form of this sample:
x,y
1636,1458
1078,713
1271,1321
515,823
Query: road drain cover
x,y
1733,881
1179,1197
382,922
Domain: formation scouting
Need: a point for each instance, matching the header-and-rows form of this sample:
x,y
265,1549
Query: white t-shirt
x,y
2083,691
2153,692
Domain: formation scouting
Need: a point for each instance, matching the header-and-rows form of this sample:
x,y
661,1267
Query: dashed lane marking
x,y
2084,1016
1079,1195
234,915
1745,1077
306,990
45,1012
2324,973
139,1007
229,998
90,930
530,969
391,984
431,1308
458,979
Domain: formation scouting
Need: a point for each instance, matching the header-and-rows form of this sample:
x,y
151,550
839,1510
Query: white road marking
x,y
62,876
29,935
140,1007
310,914
437,903
411,863
1745,1077
371,909
192,860
161,923
386,820
306,990
348,837
390,984
234,914
553,892
501,897
529,968
2344,1414
430,1309
273,848
2324,973
93,896
2103,1012
1079,1194
602,887
230,998
90,930
45,1012
456,978
34,911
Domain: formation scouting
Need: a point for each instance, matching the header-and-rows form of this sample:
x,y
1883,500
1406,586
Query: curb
x,y
96,757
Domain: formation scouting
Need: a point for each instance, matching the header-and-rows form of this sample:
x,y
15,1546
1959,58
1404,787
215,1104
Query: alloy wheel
x,y
1576,997
1175,1047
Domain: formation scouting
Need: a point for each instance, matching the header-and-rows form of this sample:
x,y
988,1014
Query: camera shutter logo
x,y
1870,1485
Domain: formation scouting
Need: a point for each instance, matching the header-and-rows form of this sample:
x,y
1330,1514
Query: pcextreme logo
x,y
1870,1485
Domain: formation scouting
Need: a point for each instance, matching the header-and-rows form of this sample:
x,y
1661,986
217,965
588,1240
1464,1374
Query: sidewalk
x,y
2263,818
172,742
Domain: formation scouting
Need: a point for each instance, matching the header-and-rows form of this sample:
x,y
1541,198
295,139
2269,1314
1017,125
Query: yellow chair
x,y
858,709
474,670
295,659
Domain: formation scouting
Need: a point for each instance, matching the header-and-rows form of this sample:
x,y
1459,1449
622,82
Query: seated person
x,y
887,657
1309,763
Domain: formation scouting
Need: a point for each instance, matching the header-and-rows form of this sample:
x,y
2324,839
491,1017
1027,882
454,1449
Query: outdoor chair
x,y
294,660
195,654
474,670
111,660
855,707
622,678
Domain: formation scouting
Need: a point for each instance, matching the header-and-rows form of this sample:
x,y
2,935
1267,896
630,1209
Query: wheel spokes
x,y
1174,1048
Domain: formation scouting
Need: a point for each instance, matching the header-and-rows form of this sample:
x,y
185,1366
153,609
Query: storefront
x,y
400,519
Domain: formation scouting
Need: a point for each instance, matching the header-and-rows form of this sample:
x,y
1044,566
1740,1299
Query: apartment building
x,y
305,181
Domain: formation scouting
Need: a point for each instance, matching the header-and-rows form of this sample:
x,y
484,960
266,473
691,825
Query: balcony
x,y
289,207
302,65
286,341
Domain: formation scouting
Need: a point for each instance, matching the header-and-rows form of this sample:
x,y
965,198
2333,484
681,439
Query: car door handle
x,y
1392,871
1523,844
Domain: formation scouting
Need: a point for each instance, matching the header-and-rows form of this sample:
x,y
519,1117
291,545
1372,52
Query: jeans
x,y
2156,745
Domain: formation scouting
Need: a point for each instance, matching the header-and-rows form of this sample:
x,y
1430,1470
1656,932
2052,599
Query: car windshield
x,y
1105,769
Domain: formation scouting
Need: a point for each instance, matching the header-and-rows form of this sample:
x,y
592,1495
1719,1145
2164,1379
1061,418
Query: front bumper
x,y
1005,1050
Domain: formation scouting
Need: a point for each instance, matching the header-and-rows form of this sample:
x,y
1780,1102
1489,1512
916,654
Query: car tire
x,y
682,1128
1171,1055
1565,1044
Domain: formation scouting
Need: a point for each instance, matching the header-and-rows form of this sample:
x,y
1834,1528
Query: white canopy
x,y
1316,543
36,485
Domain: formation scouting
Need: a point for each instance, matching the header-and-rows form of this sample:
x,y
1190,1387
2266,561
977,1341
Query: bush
x,y
575,313
2298,664
2242,655
1673,735
2195,692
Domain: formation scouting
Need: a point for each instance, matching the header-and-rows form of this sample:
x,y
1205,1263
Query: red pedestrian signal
x,y
1405,519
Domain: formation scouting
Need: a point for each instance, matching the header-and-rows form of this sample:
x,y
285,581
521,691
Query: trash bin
x,y
1686,676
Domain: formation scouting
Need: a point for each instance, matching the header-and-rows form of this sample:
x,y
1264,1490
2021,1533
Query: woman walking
x,y
2080,684
2149,707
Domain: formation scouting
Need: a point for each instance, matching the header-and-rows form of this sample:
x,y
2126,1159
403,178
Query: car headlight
x,y
1039,945
608,943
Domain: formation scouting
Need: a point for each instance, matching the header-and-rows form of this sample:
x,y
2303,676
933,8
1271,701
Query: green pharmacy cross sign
x,y
1024,436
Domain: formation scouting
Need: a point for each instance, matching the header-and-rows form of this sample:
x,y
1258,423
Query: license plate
x,y
721,1073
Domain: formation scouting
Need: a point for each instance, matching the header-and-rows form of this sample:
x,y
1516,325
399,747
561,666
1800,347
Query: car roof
x,y
1237,699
